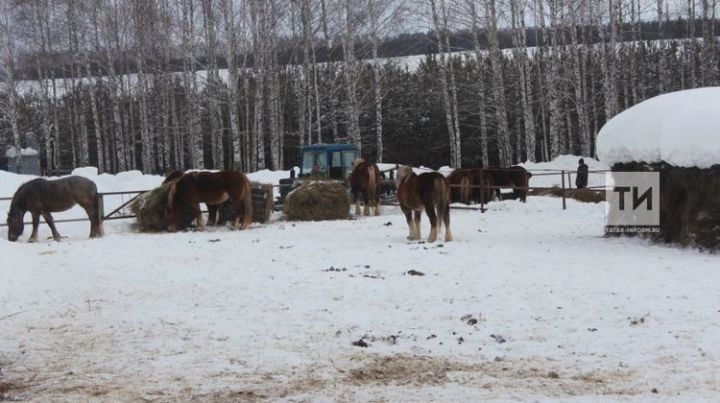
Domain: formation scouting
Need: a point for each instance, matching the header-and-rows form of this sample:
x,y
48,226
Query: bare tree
x,y
7,61
455,157
480,61
194,137
349,68
503,134
231,46
523,64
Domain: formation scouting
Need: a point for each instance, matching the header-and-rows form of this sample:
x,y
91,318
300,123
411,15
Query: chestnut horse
x,y
366,180
465,186
42,197
428,191
514,176
211,188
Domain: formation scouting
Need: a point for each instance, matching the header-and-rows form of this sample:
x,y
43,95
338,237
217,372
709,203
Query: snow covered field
x,y
530,302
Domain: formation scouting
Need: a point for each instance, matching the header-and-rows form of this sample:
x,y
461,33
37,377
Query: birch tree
x,y
523,64
7,61
349,67
498,86
455,158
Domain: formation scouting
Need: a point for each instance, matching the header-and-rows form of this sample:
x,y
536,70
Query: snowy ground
x,y
530,302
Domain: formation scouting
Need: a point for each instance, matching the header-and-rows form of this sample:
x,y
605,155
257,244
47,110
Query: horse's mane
x,y
20,196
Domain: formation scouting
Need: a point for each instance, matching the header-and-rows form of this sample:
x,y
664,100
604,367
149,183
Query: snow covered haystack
x,y
677,135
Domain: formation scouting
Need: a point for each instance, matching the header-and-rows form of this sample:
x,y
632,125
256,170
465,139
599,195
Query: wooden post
x,y
482,192
570,185
562,175
101,208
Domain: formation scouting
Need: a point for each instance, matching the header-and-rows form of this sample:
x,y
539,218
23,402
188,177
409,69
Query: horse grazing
x,y
428,191
366,180
211,188
515,176
469,186
42,197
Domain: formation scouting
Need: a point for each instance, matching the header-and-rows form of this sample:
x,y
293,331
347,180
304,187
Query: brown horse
x,y
211,188
428,191
366,180
42,197
516,177
465,186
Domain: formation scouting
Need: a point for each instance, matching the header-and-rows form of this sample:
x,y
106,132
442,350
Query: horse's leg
x,y
36,225
357,203
198,217
417,219
366,202
410,223
49,220
446,220
94,222
377,208
238,211
430,211
212,214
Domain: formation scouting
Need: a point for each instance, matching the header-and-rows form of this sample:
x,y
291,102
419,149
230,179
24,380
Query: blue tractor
x,y
324,161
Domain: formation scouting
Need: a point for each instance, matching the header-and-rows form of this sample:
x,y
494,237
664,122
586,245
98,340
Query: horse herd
x,y
431,192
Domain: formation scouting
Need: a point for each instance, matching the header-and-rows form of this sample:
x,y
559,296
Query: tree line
x,y
178,84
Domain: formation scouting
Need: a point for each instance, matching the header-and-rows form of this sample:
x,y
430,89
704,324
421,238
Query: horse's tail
x,y
372,183
443,206
247,203
171,195
98,213
442,202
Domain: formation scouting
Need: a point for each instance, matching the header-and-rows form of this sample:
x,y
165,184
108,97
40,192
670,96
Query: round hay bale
x,y
150,210
316,201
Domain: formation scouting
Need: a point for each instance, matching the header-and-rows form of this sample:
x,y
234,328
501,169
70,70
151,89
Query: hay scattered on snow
x,y
317,200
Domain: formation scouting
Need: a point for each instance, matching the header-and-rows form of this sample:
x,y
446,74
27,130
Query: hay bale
x,y
150,210
689,203
317,200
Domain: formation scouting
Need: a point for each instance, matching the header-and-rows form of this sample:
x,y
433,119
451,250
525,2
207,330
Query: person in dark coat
x,y
581,180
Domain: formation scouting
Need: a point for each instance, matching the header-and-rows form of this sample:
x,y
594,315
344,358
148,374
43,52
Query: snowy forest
x,y
156,85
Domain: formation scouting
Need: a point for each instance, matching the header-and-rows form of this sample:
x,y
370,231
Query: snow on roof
x,y
11,152
681,128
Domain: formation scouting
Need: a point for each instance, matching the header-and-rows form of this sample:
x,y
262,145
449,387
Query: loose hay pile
x,y
316,201
584,195
150,209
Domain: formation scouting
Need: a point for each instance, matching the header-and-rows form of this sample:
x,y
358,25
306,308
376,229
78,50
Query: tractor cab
x,y
332,161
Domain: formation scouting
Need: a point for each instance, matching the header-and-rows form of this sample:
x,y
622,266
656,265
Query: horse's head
x,y
403,172
357,162
15,226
